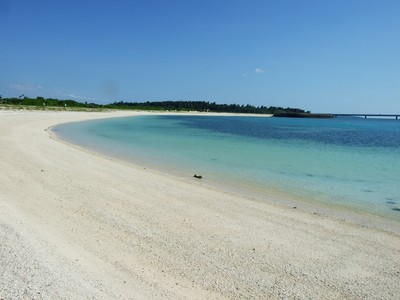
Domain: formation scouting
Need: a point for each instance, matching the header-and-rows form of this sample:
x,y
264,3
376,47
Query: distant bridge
x,y
367,115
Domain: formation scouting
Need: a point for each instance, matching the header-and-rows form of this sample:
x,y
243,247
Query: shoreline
x,y
347,213
97,227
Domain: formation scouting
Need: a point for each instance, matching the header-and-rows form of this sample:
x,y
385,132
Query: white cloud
x,y
258,71
25,87
244,74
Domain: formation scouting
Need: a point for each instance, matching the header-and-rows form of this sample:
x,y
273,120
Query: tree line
x,y
40,101
203,106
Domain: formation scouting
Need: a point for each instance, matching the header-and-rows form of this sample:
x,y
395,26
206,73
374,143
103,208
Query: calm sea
x,y
352,163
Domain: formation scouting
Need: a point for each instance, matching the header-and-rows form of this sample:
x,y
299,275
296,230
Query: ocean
x,y
349,163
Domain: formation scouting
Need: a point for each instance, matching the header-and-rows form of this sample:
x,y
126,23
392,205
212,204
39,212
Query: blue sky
x,y
324,56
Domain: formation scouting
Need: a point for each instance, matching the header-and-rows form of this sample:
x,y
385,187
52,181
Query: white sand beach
x,y
78,225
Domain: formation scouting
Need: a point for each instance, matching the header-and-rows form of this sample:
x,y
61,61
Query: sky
x,y
338,56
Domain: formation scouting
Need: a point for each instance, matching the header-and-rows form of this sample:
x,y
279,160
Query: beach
x,y
76,224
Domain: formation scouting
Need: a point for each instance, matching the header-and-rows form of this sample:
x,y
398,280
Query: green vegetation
x,y
201,106
42,102
204,106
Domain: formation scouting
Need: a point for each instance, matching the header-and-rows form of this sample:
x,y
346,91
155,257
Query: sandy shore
x,y
76,225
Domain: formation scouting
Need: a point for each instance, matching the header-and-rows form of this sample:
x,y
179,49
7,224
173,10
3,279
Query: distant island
x,y
289,114
201,106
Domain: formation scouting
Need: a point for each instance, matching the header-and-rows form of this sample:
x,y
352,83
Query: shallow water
x,y
347,162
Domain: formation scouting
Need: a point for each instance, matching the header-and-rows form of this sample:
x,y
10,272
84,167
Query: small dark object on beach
x,y
197,176
294,207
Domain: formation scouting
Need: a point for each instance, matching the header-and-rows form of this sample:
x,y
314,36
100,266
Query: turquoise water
x,y
347,162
